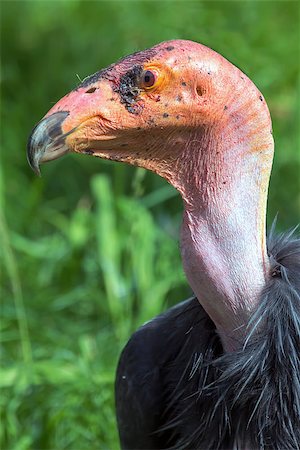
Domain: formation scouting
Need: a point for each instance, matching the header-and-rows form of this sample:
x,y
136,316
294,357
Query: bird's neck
x,y
223,238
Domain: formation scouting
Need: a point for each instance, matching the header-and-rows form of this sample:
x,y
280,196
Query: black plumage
x,y
176,389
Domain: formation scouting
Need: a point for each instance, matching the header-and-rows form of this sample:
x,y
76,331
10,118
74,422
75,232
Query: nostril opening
x,y
91,90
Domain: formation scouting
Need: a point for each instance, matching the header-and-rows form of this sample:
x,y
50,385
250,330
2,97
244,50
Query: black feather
x,y
208,400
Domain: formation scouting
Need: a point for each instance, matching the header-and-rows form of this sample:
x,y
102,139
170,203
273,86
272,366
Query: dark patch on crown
x,y
115,70
93,78
170,48
129,90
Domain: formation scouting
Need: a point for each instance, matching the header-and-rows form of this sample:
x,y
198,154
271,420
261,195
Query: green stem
x,y
13,274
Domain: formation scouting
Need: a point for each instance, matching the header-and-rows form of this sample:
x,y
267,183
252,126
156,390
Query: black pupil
x,y
149,78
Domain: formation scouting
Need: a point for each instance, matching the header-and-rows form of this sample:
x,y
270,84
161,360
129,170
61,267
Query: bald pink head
x,y
183,111
196,94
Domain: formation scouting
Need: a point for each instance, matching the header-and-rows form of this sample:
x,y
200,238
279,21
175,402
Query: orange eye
x,y
148,79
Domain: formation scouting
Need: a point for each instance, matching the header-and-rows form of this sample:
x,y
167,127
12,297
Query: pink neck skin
x,y
223,233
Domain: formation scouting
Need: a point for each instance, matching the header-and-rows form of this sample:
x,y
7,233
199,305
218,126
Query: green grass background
x,y
90,250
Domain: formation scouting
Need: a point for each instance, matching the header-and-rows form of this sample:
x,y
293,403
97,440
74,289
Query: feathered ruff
x,y
249,398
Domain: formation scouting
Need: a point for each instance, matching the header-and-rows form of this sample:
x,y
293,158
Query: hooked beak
x,y
47,140
77,122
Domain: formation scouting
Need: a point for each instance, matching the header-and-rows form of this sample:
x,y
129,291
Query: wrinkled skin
x,y
113,116
203,126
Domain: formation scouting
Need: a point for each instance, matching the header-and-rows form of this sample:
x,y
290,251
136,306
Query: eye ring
x,y
148,79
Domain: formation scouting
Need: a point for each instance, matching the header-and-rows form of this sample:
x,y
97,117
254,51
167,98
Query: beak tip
x,y
46,141
37,170
33,161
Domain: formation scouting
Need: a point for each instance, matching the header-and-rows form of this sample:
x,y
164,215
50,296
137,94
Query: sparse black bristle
x,y
176,389
254,398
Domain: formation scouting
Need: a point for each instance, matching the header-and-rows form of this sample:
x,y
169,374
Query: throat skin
x,y
223,236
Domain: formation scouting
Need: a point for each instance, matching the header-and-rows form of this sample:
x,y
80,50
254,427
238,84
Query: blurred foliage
x,y
89,251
